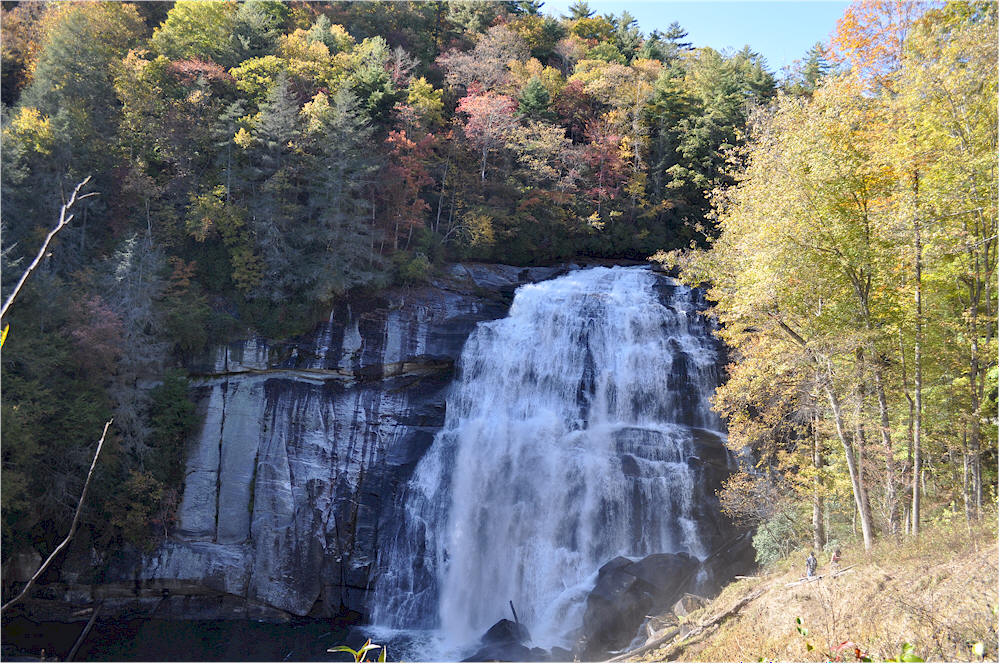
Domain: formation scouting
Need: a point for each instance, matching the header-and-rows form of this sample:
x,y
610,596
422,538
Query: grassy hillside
x,y
938,594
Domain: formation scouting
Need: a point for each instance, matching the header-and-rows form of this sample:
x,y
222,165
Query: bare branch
x,y
72,528
63,221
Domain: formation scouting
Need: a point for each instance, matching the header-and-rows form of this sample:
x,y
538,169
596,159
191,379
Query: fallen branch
x,y
63,220
669,636
83,635
72,529
810,579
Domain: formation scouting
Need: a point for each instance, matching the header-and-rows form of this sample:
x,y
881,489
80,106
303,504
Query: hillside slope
x,y
939,594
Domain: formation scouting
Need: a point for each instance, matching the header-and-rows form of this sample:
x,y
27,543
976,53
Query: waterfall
x,y
565,444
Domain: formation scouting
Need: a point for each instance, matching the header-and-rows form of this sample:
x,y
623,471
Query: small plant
x,y
803,631
851,648
361,654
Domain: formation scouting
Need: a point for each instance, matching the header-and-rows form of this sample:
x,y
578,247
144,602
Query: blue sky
x,y
780,31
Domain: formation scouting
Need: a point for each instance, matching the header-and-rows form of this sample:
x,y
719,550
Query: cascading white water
x,y
565,444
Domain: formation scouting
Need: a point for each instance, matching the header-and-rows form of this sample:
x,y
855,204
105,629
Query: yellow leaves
x,y
32,130
522,72
425,101
298,46
871,37
316,111
479,230
256,76
243,138
210,212
594,221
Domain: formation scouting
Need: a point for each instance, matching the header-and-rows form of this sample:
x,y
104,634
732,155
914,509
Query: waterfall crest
x,y
565,444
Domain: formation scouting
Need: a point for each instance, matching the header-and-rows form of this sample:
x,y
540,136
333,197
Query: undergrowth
x,y
931,598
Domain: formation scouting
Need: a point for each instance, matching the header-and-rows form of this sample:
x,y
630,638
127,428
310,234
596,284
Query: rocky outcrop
x,y
304,443
626,592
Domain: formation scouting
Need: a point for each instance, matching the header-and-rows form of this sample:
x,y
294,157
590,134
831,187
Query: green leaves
x,y
906,654
361,654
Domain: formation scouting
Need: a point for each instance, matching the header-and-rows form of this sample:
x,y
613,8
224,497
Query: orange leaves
x,y
870,37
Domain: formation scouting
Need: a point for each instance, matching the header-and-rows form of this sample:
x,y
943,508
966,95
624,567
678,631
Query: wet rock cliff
x,y
303,445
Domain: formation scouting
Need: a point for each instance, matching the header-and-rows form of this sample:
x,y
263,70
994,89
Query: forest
x,y
254,162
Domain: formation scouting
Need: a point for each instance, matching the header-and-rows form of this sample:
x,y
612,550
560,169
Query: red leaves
x,y
189,71
575,108
603,157
488,113
406,174
489,119
97,335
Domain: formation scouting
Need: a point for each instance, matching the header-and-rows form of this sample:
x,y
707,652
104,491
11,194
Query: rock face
x,y
627,591
304,443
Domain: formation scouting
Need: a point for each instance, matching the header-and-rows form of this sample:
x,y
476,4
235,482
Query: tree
x,y
871,34
276,168
804,76
406,170
579,9
534,100
667,47
203,30
336,238
370,82
489,119
487,63
133,284
814,280
22,32
257,25
947,100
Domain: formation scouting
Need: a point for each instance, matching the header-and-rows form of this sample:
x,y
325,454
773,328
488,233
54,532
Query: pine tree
x,y
534,100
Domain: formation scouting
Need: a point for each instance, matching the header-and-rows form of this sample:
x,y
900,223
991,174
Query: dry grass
x,y
939,593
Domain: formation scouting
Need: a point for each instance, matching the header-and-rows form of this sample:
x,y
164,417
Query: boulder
x,y
505,642
656,626
557,654
506,631
688,604
626,592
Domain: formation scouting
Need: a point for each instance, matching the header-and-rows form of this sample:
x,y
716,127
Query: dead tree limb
x,y
708,624
817,577
63,221
72,529
86,630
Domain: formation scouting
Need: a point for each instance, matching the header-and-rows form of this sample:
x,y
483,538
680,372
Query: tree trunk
x,y
859,432
917,370
975,380
908,467
852,467
890,462
965,475
819,534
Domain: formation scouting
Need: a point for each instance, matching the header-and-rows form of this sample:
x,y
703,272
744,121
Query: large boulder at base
x,y
506,631
626,592
505,642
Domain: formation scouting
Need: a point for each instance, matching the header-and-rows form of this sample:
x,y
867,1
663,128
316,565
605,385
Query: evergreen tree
x,y
580,9
274,208
534,100
338,238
